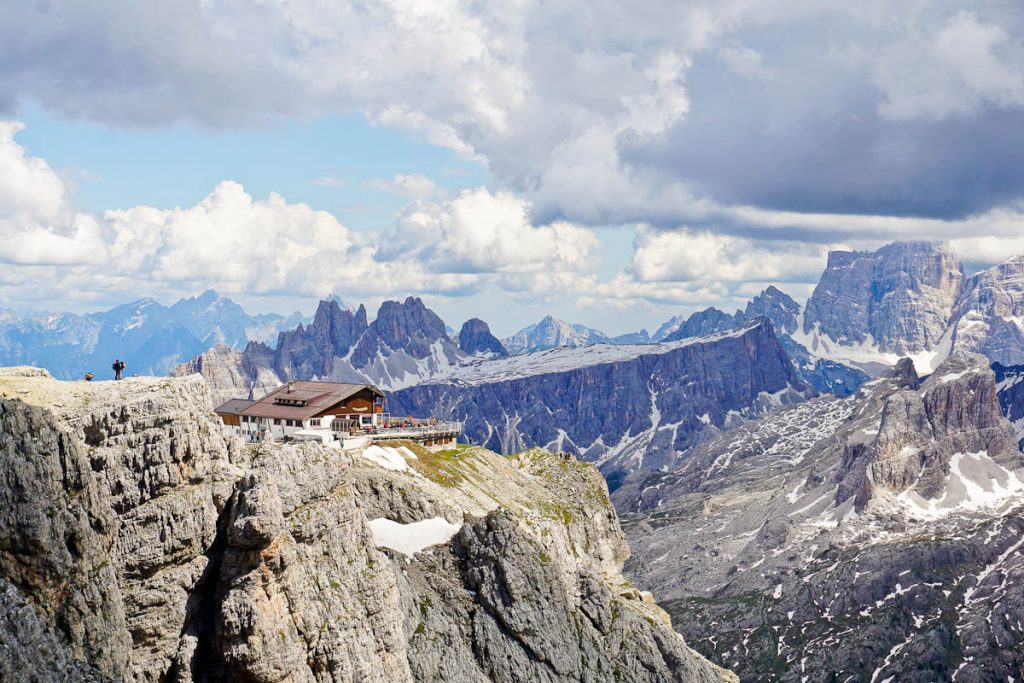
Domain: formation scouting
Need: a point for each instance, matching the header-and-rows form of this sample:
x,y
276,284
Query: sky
x,y
613,164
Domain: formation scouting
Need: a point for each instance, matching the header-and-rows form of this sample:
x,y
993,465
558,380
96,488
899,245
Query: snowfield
x,y
410,539
389,458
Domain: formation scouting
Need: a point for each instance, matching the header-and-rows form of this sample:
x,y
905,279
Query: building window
x,y
277,420
314,422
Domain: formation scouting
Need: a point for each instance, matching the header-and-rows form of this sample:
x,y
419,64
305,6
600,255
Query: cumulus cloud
x,y
480,231
228,237
625,292
266,246
596,112
37,225
413,185
686,255
958,72
772,130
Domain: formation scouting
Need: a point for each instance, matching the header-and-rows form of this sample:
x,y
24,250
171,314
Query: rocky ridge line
x,y
140,543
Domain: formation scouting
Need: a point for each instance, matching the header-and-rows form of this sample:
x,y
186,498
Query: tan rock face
x,y
956,411
139,542
901,295
990,313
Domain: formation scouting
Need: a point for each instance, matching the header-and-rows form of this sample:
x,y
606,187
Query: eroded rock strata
x,y
876,537
138,542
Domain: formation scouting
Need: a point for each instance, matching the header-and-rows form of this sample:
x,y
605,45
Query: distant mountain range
x,y
149,337
868,310
622,406
877,534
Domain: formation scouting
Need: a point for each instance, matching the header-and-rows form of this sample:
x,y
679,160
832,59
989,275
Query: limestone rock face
x,y
406,343
475,339
629,407
140,542
777,306
703,323
990,314
231,373
871,537
901,295
956,411
772,303
1010,383
409,326
310,351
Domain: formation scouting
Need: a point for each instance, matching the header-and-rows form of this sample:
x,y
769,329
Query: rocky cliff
x,y
1010,382
406,343
623,407
890,522
772,303
778,307
475,339
990,314
138,542
898,299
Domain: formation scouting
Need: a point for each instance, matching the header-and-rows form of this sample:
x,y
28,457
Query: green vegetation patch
x,y
445,467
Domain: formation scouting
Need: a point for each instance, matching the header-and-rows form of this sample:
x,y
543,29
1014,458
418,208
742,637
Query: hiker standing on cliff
x,y
118,368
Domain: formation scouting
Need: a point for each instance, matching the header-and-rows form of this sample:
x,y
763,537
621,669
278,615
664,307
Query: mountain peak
x,y
552,332
475,338
898,298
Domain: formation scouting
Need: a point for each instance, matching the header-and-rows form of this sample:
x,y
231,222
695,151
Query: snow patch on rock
x,y
975,482
410,539
387,457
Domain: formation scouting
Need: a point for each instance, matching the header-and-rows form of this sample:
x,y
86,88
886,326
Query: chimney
x,y
291,385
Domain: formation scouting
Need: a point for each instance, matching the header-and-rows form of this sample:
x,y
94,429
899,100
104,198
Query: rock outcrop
x,y
1010,382
898,299
139,542
622,406
475,339
890,521
405,344
990,314
312,350
772,303
956,412
778,307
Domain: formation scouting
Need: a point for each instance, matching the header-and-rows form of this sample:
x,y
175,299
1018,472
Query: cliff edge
x,y
140,542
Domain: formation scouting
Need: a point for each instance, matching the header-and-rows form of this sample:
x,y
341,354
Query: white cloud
x,y
955,72
37,226
28,186
683,255
236,243
413,185
240,244
597,113
480,231
745,62
624,292
228,238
